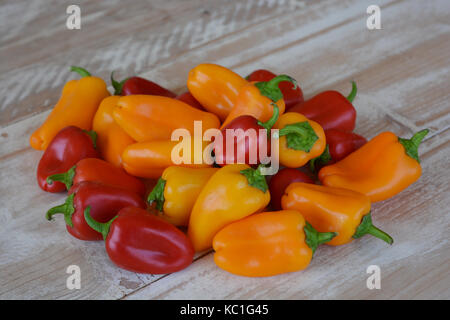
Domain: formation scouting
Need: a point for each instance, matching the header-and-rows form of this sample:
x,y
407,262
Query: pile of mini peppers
x,y
112,154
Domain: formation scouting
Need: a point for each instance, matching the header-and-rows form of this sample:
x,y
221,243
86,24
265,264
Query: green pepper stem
x,y
299,136
100,227
67,209
412,145
270,88
82,72
274,82
366,227
323,159
312,165
93,135
380,234
255,178
269,123
352,94
65,177
314,238
157,194
117,85
291,129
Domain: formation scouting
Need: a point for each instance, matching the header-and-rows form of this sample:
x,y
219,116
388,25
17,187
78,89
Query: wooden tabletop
x,y
402,72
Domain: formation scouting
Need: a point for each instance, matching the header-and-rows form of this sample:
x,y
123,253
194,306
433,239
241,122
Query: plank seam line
x,y
169,60
323,31
301,40
162,277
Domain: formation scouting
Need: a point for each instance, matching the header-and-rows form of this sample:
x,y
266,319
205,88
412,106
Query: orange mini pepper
x,y
76,107
380,169
232,193
111,138
176,191
329,209
149,159
215,87
148,118
267,244
301,139
258,98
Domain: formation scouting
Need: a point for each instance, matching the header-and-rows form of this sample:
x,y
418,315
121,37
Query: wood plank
x,y
130,39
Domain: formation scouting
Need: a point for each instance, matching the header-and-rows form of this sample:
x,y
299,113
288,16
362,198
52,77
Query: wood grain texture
x,y
402,72
131,38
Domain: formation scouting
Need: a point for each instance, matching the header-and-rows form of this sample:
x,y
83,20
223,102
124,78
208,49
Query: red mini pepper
x,y
104,201
330,109
281,180
92,169
69,146
188,98
138,241
250,140
339,145
292,94
138,85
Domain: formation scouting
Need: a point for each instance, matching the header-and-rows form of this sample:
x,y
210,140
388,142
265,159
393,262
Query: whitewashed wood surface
x,y
402,72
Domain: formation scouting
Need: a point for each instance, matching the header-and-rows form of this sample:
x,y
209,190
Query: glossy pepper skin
x,y
301,139
76,107
330,109
188,98
281,180
339,145
98,170
266,244
380,169
249,141
111,138
104,202
328,209
232,193
138,85
292,94
257,99
149,159
215,87
148,118
69,146
176,191
138,241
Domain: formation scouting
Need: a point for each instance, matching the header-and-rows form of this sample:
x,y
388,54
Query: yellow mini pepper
x,y
111,138
215,87
267,244
257,99
301,139
380,169
76,107
232,193
328,209
176,191
150,159
149,118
